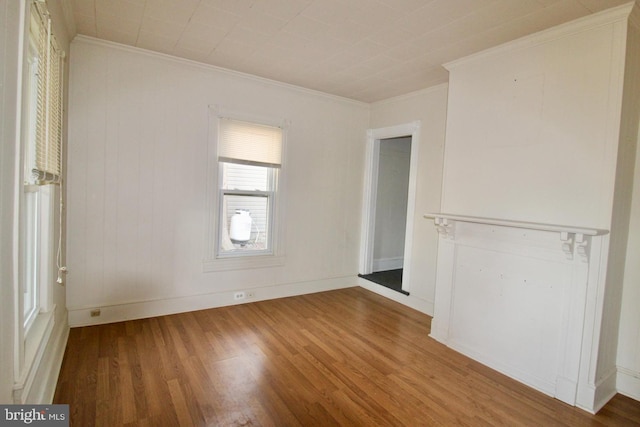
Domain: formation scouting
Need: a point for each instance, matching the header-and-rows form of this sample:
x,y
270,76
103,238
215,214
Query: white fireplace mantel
x,y
443,218
573,238
515,296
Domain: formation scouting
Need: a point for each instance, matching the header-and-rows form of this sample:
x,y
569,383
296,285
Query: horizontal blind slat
x,y
48,138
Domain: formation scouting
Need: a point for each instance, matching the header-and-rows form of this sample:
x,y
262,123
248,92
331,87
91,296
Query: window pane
x,y
245,177
245,223
31,258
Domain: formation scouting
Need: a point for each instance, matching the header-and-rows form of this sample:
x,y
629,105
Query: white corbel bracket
x,y
445,227
582,247
567,243
575,244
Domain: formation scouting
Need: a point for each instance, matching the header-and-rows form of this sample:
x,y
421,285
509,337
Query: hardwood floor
x,y
346,357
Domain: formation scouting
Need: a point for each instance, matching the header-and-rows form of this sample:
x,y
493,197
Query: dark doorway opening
x,y
391,279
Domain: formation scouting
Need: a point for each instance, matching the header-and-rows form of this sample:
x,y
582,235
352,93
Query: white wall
x,y
628,344
137,184
391,203
628,361
430,108
529,133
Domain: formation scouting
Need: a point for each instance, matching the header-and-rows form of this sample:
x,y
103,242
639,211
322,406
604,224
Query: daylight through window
x,y
249,159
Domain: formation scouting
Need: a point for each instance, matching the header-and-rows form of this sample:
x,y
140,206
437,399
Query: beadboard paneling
x,y
137,177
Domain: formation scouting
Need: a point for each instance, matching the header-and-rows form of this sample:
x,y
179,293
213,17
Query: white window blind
x,y
249,143
48,141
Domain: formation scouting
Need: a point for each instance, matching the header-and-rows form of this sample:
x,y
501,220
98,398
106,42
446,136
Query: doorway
x,y
388,208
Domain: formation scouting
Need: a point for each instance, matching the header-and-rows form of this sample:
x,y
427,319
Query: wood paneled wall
x,y
138,159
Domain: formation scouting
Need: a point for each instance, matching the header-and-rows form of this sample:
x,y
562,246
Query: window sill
x,y
242,263
35,342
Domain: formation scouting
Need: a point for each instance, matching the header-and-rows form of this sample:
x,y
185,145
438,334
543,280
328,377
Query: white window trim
x,y
32,339
275,256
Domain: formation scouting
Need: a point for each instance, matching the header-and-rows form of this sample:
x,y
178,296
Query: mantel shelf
x,y
520,224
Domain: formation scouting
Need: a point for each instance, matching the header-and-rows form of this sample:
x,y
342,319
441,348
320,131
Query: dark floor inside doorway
x,y
391,279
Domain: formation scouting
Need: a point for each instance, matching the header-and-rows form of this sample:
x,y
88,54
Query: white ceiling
x,y
366,50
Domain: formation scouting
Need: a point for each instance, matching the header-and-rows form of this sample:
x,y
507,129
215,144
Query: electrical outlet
x,y
239,295
95,312
251,294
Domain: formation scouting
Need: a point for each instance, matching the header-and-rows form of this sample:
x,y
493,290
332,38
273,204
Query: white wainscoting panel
x,y
491,287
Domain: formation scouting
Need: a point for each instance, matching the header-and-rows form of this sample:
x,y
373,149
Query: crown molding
x,y
214,68
410,95
634,16
606,17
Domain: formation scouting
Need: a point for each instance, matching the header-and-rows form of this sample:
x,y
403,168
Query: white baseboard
x,y
385,264
592,398
566,390
628,383
143,309
437,332
421,305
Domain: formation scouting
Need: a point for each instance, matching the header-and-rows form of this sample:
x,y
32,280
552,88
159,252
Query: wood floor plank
x,y
125,380
193,406
179,403
347,357
203,391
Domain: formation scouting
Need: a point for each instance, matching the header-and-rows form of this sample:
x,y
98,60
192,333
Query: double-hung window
x,y
42,142
245,192
249,161
41,157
